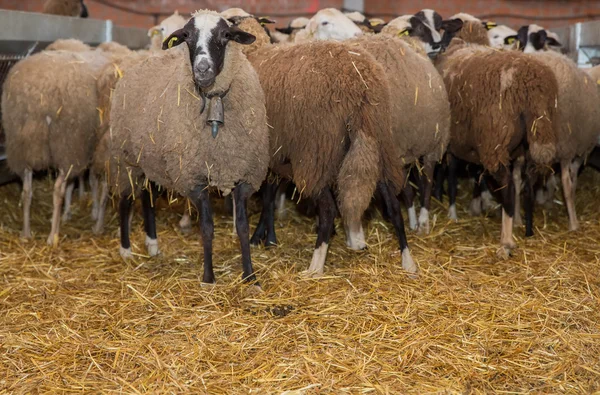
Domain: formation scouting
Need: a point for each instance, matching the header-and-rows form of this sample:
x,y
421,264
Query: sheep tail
x,y
542,123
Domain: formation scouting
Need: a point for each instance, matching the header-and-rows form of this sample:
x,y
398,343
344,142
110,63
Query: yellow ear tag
x,y
262,23
490,25
511,40
171,42
376,23
403,33
155,32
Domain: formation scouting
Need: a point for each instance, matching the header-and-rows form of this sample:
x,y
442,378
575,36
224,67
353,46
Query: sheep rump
x,y
488,103
169,140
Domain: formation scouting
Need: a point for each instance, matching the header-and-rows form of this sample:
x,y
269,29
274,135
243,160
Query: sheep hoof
x,y
66,217
312,274
26,235
95,213
518,220
207,285
254,289
356,245
475,207
574,227
423,222
504,252
125,253
452,213
52,240
152,246
408,264
98,229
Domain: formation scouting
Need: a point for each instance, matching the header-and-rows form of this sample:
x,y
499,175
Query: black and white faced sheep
x,y
503,107
189,119
49,111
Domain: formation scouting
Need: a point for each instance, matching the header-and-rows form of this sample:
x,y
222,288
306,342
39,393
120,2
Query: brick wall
x,y
550,13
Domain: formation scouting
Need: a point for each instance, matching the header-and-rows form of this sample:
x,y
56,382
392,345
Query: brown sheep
x,y
162,129
330,132
66,8
501,103
49,111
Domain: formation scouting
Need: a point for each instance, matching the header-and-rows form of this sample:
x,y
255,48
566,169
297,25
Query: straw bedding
x,y
78,318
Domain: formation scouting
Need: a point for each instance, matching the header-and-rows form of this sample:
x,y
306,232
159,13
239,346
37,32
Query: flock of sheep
x,y
344,107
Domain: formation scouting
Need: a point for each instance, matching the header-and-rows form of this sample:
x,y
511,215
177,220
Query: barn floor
x,y
78,318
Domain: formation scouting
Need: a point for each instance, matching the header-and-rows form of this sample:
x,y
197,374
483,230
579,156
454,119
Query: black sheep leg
x,y
393,207
148,209
452,185
327,212
201,200
506,186
529,200
125,205
408,195
241,193
440,176
265,230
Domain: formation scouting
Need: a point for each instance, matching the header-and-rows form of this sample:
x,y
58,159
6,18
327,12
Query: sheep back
x,y
49,111
474,33
159,130
62,7
419,103
69,44
498,99
578,106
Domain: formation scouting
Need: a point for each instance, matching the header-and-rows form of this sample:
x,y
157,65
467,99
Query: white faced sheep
x,y
328,24
66,8
342,146
578,106
191,118
503,107
49,111
164,29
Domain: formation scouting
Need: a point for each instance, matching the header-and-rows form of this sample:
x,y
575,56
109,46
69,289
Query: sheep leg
x,y
185,223
241,193
426,186
26,199
68,200
201,200
517,175
81,187
125,211
393,207
99,226
148,203
408,194
327,212
452,186
475,208
280,199
569,182
487,199
94,191
265,230
507,190
355,236
60,186
440,175
529,200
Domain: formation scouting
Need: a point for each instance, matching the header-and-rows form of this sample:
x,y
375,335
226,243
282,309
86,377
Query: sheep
x,y
328,24
325,146
503,107
66,8
49,116
164,29
534,38
423,131
415,27
166,127
69,44
502,36
579,110
292,29
363,23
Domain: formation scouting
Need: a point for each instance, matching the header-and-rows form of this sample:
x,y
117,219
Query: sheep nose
x,y
203,66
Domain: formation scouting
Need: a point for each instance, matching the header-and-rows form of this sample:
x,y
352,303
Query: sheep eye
x,y
324,23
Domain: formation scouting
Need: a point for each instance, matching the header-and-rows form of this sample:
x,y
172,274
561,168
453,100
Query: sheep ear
x,y
523,37
239,36
263,20
284,30
452,25
553,42
510,40
176,38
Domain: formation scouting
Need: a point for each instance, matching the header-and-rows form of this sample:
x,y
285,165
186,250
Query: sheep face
x,y
502,37
207,36
331,24
413,26
431,18
534,38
